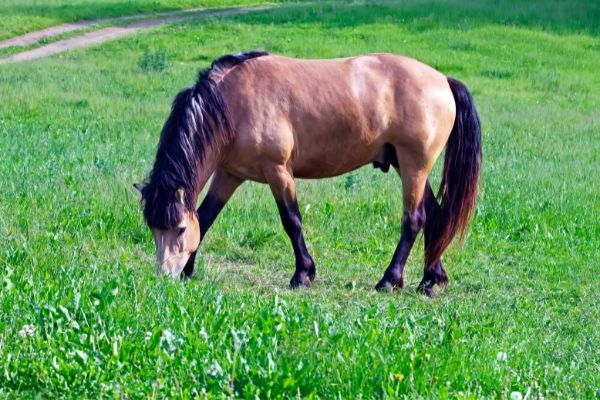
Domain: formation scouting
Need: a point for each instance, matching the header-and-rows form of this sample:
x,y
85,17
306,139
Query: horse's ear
x,y
138,187
180,196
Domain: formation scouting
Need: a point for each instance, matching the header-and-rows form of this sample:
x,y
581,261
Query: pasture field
x,y
22,16
83,315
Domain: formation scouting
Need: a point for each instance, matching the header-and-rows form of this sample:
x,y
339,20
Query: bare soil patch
x,y
104,34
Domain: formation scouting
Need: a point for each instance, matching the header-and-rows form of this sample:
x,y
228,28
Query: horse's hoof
x,y
426,290
185,277
442,283
300,282
312,274
188,269
186,274
430,279
389,285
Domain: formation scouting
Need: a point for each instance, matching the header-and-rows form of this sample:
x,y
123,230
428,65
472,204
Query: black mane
x,y
199,119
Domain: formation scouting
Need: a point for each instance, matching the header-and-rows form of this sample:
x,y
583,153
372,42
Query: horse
x,y
270,119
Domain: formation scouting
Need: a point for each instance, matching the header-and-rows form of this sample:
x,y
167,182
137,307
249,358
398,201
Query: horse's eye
x,y
180,231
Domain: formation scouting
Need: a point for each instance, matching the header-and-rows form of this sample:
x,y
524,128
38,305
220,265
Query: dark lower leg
x,y
292,223
412,222
433,274
207,213
188,270
222,187
282,185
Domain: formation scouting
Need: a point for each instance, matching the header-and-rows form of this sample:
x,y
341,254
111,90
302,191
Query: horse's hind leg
x,y
433,274
284,190
221,189
413,219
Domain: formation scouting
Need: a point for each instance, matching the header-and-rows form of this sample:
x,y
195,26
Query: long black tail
x,y
457,194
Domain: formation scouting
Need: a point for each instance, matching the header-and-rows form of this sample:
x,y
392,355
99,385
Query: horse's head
x,y
175,228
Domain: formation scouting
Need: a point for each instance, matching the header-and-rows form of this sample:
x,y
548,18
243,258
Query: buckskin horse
x,y
270,119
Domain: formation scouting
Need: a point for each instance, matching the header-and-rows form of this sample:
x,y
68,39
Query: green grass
x,y
21,16
11,50
76,130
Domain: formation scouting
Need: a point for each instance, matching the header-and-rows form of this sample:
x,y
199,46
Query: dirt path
x,y
33,37
104,34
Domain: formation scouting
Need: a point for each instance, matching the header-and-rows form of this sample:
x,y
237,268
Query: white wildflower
x,y
82,355
237,343
271,363
501,356
516,396
27,330
215,369
203,334
167,341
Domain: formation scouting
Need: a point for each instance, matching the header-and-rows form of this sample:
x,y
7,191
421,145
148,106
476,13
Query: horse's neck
x,y
205,170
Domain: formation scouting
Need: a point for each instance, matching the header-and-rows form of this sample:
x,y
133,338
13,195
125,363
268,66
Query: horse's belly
x,y
333,160
325,171
310,157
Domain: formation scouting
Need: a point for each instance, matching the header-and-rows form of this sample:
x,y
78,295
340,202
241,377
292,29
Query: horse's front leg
x,y
284,190
221,189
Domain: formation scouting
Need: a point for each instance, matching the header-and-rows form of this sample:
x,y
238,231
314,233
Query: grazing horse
x,y
270,119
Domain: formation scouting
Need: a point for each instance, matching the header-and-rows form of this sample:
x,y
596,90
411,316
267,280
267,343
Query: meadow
x,y
21,16
82,314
